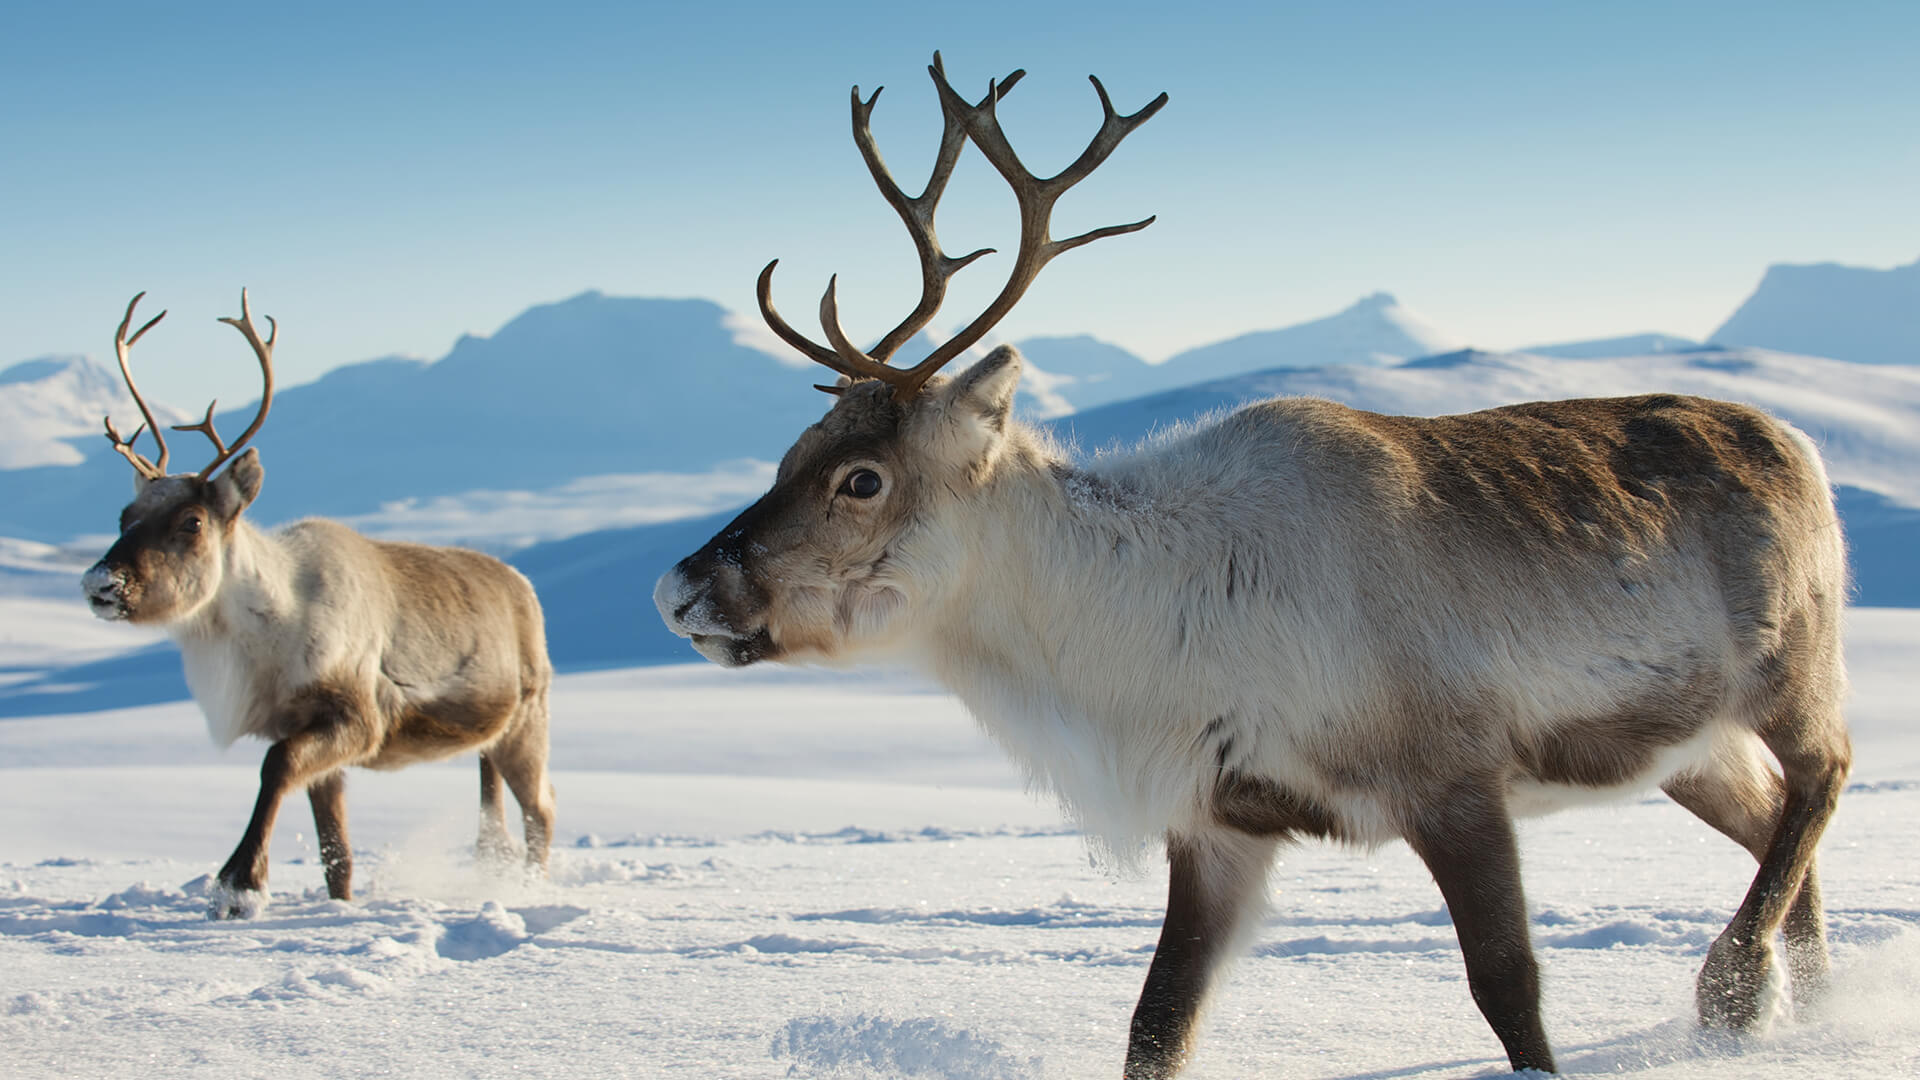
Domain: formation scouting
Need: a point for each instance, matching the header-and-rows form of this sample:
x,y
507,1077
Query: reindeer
x,y
337,649
1304,620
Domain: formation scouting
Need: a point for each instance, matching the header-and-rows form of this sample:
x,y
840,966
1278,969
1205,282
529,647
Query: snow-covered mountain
x,y
591,386
1083,371
1070,374
46,402
1849,312
1376,331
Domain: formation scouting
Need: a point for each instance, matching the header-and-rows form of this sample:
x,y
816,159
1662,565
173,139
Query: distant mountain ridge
x,y
599,386
592,385
1846,312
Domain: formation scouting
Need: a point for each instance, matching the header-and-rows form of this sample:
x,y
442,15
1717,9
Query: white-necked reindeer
x,y
1305,620
337,649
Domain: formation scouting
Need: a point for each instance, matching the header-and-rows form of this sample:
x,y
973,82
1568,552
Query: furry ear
x,y
238,484
974,406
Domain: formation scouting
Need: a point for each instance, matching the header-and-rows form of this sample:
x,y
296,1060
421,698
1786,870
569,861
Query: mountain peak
x,y
1375,301
1825,309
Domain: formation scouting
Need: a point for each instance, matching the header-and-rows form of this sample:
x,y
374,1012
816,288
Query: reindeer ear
x,y
237,485
976,403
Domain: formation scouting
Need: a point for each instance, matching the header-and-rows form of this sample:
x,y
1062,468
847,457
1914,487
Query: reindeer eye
x,y
190,524
861,484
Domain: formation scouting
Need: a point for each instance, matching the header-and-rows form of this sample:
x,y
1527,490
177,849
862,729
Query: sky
x,y
387,177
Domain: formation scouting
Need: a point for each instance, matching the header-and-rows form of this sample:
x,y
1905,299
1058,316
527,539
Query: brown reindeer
x,y
337,649
1304,620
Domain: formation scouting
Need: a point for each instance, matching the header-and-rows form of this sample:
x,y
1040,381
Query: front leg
x,y
1215,887
241,887
331,730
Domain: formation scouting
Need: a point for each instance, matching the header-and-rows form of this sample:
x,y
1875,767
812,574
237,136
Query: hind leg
x,y
495,846
521,758
1814,755
328,795
1738,794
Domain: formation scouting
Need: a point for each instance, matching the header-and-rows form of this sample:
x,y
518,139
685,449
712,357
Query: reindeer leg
x,y
522,759
1814,756
1737,794
329,798
1214,890
331,730
242,882
1468,844
494,848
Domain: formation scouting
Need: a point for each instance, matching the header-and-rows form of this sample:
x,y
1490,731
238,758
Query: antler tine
x,y
1035,198
917,212
851,361
205,427
263,350
122,346
816,352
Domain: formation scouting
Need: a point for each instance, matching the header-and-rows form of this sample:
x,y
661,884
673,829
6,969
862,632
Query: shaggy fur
x,y
338,650
1304,619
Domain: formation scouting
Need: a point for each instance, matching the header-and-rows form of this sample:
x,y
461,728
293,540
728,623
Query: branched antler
x,y
263,350
1035,197
916,212
122,346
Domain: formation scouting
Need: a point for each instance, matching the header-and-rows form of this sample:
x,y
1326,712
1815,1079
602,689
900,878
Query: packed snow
x,y
796,873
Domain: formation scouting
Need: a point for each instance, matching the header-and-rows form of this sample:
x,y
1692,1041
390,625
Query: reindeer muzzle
x,y
696,607
106,591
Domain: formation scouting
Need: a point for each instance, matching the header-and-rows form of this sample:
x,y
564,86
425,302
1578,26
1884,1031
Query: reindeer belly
x,y
1597,769
430,730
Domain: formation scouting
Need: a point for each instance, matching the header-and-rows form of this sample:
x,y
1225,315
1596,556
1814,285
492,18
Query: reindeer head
x,y
171,555
861,529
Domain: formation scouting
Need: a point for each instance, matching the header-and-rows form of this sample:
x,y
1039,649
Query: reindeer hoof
x,y
225,901
1739,989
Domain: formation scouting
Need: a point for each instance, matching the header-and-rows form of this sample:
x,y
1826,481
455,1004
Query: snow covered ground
x,y
808,874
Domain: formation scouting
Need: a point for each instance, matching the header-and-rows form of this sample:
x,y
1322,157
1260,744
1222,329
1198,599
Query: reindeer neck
x,y
257,586
1076,552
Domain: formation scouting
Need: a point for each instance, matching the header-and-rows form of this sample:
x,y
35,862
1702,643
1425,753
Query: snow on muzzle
x,y
713,610
106,591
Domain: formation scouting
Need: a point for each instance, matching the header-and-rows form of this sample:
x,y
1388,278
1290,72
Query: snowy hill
x,y
1632,345
1850,312
44,403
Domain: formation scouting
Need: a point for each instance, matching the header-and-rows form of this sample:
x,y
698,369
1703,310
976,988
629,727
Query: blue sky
x,y
386,177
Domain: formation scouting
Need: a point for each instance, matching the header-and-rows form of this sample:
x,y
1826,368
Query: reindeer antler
x,y
1034,196
122,346
263,350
